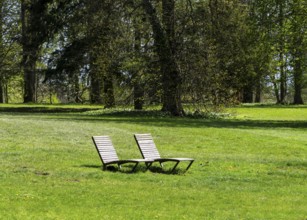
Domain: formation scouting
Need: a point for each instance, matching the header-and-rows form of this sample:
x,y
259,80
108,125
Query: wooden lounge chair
x,y
149,151
109,156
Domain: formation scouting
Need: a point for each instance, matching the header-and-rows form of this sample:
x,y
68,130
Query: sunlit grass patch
x,y
251,167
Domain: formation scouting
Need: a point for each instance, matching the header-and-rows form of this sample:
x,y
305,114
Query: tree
x,y
104,32
9,49
164,36
298,45
90,48
40,21
1,49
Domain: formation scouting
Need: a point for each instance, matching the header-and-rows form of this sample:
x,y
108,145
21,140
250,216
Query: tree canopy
x,y
169,52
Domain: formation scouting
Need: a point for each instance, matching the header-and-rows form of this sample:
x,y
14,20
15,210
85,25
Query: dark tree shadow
x,y
155,118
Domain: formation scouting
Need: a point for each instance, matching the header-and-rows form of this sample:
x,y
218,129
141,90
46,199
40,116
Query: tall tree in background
x,y
90,45
164,36
1,52
40,21
104,18
9,48
32,39
231,49
272,20
298,46
215,55
262,54
138,85
281,48
140,77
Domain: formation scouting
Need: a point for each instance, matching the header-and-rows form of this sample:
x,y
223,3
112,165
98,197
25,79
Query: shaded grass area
x,y
40,108
247,167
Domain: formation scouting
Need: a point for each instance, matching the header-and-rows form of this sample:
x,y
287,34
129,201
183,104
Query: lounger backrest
x,y
147,146
105,148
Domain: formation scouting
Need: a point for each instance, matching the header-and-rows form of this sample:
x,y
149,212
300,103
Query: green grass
x,y
250,166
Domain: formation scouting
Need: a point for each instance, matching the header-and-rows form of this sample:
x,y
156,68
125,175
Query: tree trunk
x,y
298,78
282,71
1,56
6,97
138,93
96,88
283,78
29,68
298,53
1,93
108,90
165,46
247,94
76,89
276,90
29,58
138,90
258,92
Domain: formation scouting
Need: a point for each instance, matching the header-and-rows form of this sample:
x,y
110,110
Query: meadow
x,y
251,165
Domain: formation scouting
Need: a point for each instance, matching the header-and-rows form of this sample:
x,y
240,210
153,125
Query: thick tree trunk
x,y
164,42
29,58
29,68
138,93
298,80
108,90
247,94
96,80
96,87
297,53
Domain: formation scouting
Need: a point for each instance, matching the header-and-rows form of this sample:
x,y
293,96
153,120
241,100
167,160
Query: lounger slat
x,y
105,156
105,149
147,146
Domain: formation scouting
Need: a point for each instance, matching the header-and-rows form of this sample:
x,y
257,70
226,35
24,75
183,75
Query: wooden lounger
x,y
149,151
108,155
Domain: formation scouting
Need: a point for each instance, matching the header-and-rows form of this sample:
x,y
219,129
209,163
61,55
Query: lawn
x,y
252,165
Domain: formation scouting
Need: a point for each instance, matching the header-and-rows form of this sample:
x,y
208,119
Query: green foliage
x,y
249,167
214,52
9,47
216,60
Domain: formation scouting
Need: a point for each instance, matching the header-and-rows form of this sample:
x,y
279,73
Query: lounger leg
x,y
175,166
104,167
148,165
189,165
136,164
161,164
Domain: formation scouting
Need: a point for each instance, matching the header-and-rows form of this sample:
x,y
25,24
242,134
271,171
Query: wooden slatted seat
x,y
108,155
149,151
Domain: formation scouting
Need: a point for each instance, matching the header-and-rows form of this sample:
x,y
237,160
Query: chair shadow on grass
x,y
127,169
160,170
